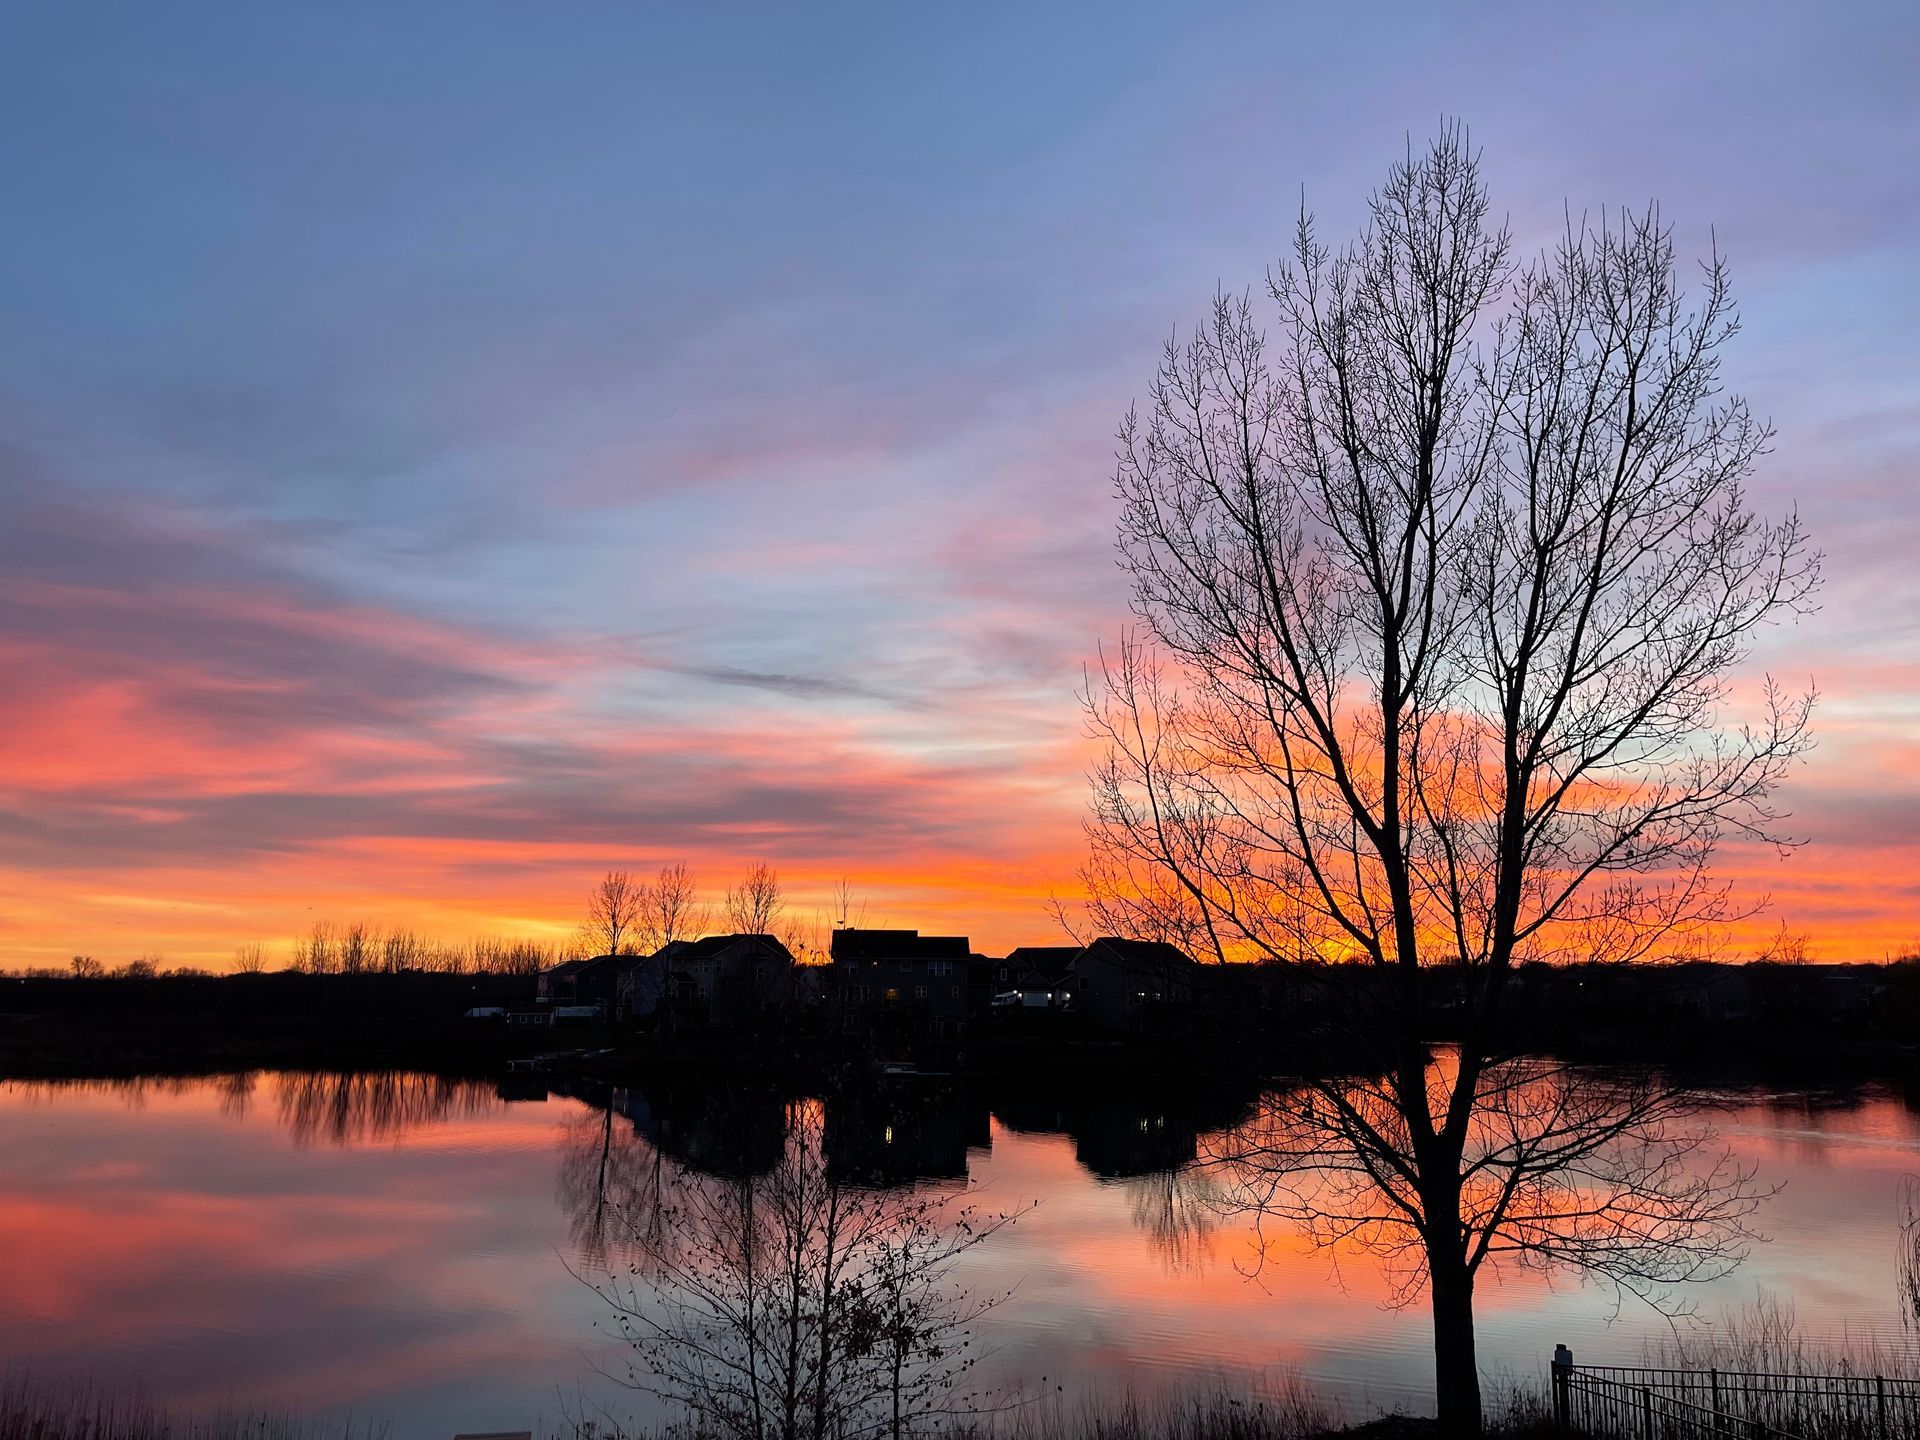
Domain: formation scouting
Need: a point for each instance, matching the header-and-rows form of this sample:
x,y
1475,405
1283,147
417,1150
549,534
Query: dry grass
x,y
1292,1412
46,1411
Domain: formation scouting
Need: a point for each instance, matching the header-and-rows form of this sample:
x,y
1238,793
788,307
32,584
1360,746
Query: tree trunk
x,y
1456,1372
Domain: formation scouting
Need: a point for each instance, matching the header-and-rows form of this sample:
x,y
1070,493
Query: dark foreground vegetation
x,y
1517,1411
1753,1020
198,1025
1761,1341
36,1411
1761,1020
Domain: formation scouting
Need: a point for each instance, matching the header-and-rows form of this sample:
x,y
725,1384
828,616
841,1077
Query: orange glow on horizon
x,y
183,813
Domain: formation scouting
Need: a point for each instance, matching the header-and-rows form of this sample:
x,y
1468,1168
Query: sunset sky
x,y
446,451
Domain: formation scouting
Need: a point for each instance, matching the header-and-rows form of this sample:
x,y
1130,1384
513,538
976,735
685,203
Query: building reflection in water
x,y
620,1157
197,1153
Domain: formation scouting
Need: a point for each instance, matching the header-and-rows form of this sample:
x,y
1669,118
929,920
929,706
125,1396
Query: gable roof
x,y
1139,954
857,945
601,962
1053,962
708,946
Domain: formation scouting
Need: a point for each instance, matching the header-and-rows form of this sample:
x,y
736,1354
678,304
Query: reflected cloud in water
x,y
390,1240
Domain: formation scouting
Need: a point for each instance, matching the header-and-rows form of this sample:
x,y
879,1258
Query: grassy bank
x,y
45,1411
28,1412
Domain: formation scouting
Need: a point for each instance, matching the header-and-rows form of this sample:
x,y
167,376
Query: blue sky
x,y
663,394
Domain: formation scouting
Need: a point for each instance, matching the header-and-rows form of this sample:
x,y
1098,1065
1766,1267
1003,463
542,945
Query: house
x,y
1036,977
599,981
556,982
720,980
1133,985
901,983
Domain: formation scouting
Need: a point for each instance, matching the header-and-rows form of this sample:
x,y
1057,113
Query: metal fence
x,y
1629,1402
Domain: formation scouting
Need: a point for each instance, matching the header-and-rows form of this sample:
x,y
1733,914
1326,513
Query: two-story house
x,y
900,982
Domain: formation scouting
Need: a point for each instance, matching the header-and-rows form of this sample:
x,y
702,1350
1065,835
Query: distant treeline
x,y
624,915
355,947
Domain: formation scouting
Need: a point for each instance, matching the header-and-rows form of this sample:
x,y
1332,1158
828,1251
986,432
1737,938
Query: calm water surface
x,y
403,1246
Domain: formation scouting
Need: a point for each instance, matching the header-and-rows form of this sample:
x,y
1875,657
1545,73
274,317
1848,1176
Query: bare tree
x,y
1439,598
359,944
798,1305
672,909
614,912
317,953
85,967
250,959
1785,948
755,905
402,949
497,955
849,908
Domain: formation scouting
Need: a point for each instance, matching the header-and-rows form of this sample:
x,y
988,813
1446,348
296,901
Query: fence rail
x,y
1636,1402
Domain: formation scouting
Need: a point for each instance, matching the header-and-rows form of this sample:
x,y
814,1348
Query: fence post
x,y
1714,1380
1880,1404
1562,1367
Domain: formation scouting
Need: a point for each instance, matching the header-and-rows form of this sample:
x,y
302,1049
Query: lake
x,y
404,1247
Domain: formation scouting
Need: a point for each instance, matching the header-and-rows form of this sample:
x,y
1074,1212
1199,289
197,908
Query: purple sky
x,y
445,450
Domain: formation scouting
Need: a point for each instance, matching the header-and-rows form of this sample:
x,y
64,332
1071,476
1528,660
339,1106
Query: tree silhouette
x,y
1438,600
615,911
796,1304
670,907
755,905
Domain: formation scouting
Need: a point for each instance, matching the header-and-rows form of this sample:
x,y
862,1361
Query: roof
x,y
708,946
1052,961
1140,954
898,945
565,967
626,959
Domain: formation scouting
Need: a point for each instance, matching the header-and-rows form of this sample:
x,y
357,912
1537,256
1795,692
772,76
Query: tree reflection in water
x,y
1178,1210
346,1108
778,1293
1909,1273
314,1106
609,1167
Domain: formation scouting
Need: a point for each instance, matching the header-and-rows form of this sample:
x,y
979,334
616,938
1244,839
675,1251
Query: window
x,y
906,966
856,992
939,967
919,992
